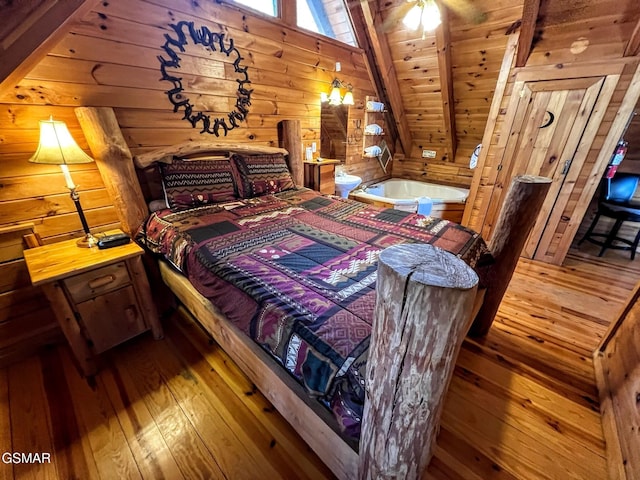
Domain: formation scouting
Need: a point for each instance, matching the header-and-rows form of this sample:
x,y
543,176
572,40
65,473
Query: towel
x,y
375,106
372,151
373,129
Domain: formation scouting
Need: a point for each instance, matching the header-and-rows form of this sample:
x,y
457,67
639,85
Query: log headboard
x,y
186,149
116,165
149,175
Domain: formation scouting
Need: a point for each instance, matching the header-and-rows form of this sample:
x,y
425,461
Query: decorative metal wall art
x,y
216,42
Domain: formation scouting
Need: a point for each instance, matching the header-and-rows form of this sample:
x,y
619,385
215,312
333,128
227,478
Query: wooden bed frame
x,y
387,448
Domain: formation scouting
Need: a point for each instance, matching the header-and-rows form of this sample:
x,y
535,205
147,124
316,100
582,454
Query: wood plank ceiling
x,y
439,85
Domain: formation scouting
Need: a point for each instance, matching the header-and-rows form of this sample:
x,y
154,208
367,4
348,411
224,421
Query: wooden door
x,y
553,125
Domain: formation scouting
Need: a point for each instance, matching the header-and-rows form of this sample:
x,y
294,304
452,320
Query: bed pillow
x,y
193,183
261,174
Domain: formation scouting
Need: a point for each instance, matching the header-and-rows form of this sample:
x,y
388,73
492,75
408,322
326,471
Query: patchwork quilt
x,y
296,271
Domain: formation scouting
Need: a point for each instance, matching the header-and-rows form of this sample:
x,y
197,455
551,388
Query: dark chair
x,y
615,202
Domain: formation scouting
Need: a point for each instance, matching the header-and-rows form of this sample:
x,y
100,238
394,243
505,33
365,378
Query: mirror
x,y
333,131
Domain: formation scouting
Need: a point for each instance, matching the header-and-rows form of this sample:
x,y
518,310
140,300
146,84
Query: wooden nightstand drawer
x,y
96,282
111,318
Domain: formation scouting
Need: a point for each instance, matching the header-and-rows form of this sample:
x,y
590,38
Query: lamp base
x,y
87,241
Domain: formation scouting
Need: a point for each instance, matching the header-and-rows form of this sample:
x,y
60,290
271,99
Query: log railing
x,y
424,300
518,215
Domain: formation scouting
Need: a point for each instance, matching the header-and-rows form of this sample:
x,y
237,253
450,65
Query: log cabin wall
x,y
109,58
476,53
593,36
616,364
631,163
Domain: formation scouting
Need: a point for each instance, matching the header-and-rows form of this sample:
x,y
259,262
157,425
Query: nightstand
x,y
100,297
320,175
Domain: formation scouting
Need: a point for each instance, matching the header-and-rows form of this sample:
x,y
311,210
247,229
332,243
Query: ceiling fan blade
x,y
466,9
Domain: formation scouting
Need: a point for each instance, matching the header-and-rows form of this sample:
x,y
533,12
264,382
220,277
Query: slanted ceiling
x,y
440,84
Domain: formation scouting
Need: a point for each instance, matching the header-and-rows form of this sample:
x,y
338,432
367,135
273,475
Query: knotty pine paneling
x,y
26,321
631,161
109,58
577,204
476,57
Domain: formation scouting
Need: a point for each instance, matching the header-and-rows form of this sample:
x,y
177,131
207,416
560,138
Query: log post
x,y
423,307
518,215
115,164
290,138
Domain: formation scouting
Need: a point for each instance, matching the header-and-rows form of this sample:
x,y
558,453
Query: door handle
x,y
565,167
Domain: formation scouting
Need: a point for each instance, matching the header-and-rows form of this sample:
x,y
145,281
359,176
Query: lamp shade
x,y
57,146
424,13
348,98
334,97
431,16
413,18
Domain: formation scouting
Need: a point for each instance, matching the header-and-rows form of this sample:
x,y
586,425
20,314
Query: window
x,y
265,6
326,17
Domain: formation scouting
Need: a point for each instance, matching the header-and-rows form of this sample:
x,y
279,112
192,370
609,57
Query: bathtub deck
x,y
449,211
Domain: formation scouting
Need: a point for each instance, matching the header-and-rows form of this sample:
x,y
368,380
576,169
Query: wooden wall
x,y
631,163
617,366
109,58
598,41
476,56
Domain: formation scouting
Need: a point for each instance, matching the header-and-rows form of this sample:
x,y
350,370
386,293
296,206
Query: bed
x,y
293,262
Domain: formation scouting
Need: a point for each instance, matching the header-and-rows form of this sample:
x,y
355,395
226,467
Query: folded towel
x,y
375,106
372,151
373,129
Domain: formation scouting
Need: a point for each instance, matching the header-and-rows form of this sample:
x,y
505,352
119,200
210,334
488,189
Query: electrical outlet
x,y
428,154
313,147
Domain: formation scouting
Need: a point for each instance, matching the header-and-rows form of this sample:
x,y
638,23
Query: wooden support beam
x,y
112,155
530,11
30,32
368,28
633,47
494,112
443,45
520,209
290,138
288,12
424,300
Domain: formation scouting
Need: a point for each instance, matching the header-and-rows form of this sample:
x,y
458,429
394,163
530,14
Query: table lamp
x,y
57,147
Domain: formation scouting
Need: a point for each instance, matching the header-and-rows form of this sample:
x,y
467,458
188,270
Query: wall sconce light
x,y
424,13
57,147
335,97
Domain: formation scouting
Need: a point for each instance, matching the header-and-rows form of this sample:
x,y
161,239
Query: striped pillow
x,y
261,174
193,183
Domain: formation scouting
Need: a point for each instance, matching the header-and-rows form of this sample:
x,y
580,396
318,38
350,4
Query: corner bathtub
x,y
448,202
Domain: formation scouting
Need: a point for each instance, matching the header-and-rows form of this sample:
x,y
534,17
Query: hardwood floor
x,y
522,403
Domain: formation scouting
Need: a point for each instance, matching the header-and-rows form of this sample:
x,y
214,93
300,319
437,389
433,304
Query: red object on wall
x,y
611,171
619,153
